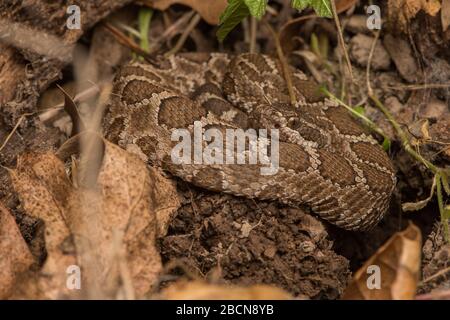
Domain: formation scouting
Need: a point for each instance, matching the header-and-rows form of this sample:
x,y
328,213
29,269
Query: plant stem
x,y
369,122
253,27
403,137
444,219
341,39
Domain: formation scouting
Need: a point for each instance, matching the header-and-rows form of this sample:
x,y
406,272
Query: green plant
x,y
238,10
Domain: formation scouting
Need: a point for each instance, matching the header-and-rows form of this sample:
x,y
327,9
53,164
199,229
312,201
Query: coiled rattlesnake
x,y
326,160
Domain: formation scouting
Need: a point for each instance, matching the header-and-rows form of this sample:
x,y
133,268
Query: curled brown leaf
x,y
209,10
397,265
124,201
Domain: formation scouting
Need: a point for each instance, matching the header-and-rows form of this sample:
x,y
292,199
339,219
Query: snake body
x,y
327,161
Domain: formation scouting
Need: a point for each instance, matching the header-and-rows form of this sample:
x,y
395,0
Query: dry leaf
x,y
344,5
44,199
399,263
166,200
15,257
400,12
122,205
198,290
210,10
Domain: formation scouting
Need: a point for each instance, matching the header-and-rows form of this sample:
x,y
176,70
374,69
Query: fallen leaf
x,y
198,290
344,5
166,200
15,257
400,12
123,204
398,261
210,10
45,199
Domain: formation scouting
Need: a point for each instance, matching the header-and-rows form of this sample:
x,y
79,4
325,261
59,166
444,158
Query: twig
x,y
369,62
435,295
253,26
14,129
126,41
414,87
436,275
175,26
284,64
341,39
192,24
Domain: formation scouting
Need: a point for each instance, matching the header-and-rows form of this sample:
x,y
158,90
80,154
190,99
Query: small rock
x,y
308,246
270,252
360,46
357,23
401,52
393,105
434,109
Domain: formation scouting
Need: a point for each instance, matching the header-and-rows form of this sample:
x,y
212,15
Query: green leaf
x,y
359,109
315,45
321,7
145,16
447,212
257,7
445,183
386,144
234,13
300,4
324,45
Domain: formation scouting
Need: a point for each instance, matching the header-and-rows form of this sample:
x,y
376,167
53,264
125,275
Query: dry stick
x,y
341,39
175,26
284,64
14,129
435,295
253,25
413,87
126,41
172,29
82,96
192,24
436,275
369,63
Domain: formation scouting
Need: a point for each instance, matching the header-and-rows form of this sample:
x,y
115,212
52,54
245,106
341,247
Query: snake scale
x,y
327,161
